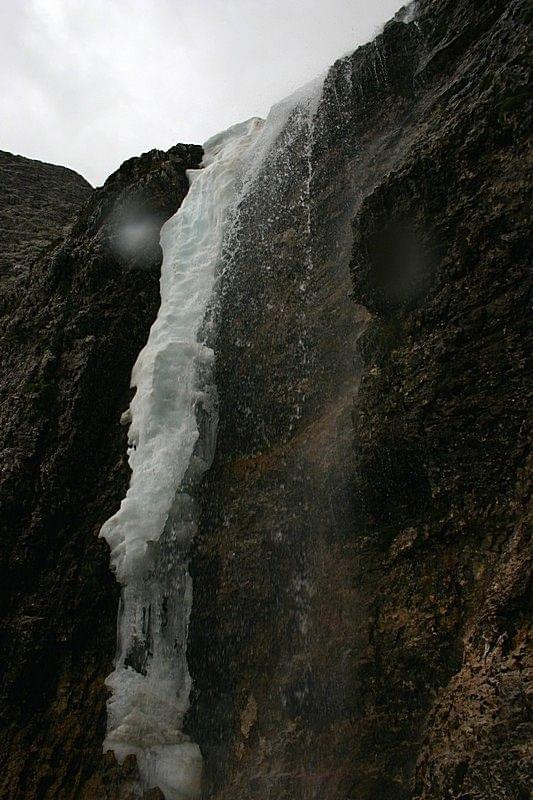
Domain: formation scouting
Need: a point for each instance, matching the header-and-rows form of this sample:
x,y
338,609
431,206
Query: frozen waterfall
x,y
171,443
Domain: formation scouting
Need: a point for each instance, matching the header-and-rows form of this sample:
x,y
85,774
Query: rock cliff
x,y
359,623
84,310
37,203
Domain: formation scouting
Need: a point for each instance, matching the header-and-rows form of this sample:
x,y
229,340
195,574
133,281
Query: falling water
x,y
171,444
277,185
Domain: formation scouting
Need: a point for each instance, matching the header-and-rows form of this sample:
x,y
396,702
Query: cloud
x,y
89,84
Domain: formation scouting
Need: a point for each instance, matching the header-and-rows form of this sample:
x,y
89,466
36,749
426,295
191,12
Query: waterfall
x,y
276,202
171,444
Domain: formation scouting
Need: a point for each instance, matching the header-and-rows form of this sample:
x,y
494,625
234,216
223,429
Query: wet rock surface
x,y
360,579
83,312
359,629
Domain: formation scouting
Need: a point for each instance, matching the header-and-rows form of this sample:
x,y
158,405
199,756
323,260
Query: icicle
x,y
172,437
172,440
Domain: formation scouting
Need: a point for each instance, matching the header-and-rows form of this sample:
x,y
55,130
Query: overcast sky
x,y
89,83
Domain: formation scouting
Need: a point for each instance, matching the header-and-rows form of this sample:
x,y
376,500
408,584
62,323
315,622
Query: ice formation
x,y
171,443
410,12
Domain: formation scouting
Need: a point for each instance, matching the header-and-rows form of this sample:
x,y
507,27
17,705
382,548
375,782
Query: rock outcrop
x,y
359,623
361,573
38,202
83,312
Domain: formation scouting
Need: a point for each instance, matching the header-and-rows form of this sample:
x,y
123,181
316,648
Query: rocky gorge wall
x,y
38,203
361,575
82,313
361,571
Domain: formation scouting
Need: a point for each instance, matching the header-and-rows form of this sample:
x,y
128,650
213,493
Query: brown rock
x,y
362,565
67,348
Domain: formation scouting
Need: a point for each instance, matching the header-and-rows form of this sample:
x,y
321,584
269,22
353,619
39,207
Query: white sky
x,y
89,83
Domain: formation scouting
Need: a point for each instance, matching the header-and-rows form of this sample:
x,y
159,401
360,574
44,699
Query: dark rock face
x,y
361,574
37,204
67,350
359,628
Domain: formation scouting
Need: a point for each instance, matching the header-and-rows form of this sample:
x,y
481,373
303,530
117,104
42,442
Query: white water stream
x,y
171,443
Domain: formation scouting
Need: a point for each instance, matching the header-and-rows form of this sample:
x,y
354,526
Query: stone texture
x,y
38,202
359,629
67,350
361,575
